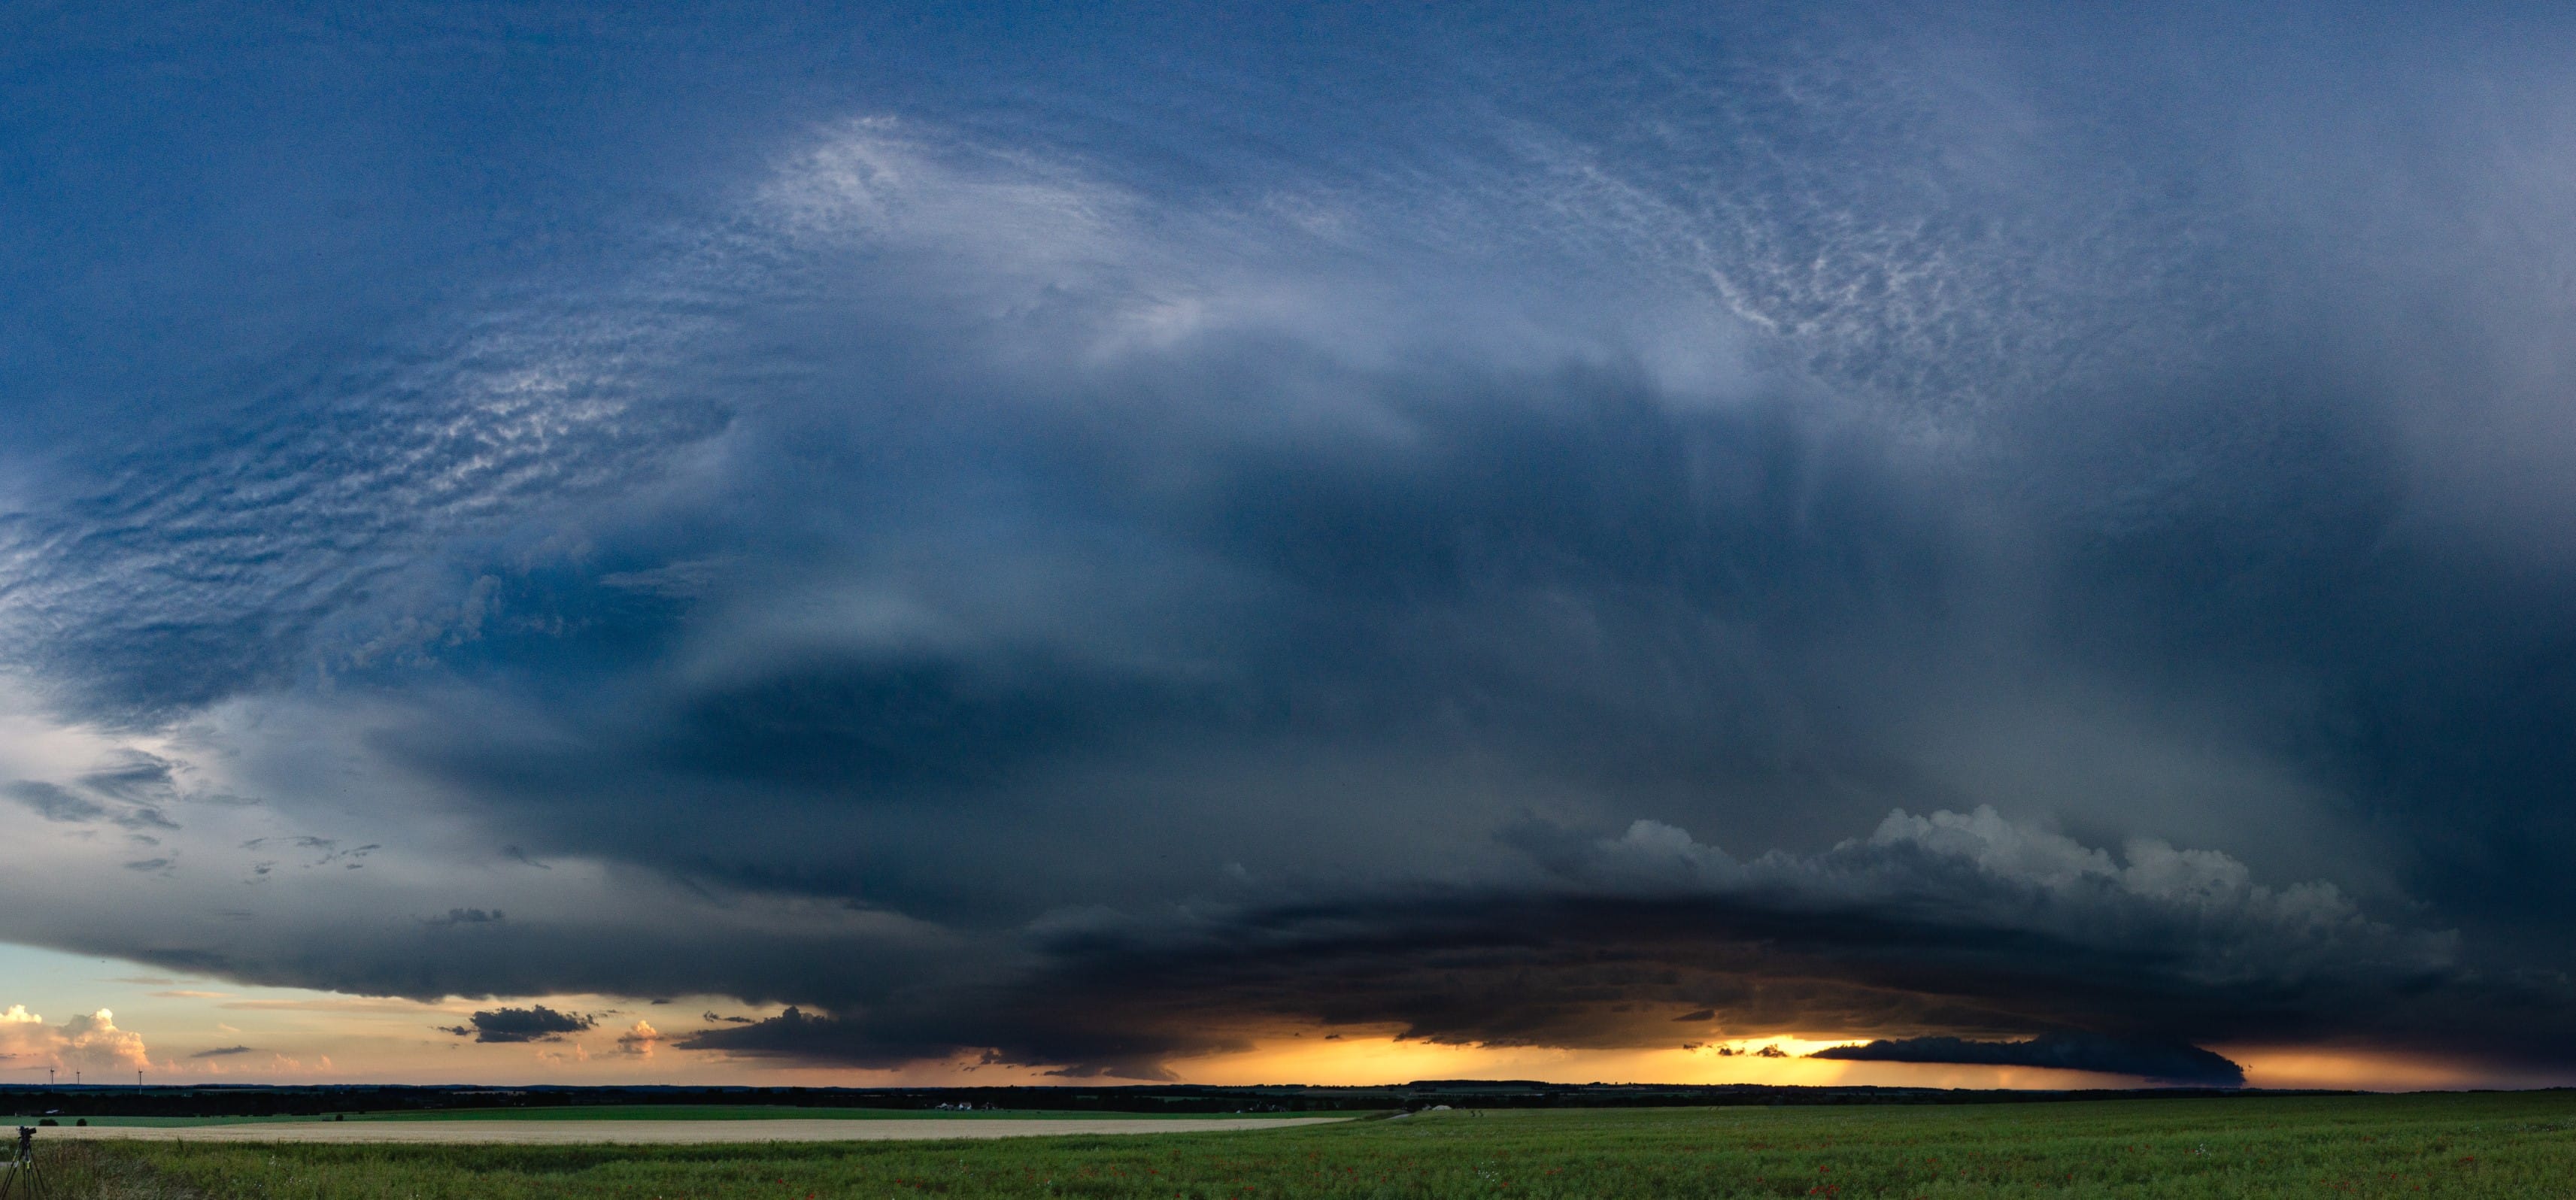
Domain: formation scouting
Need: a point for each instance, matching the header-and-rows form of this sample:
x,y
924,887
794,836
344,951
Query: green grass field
x,y
2474,1145
658,1112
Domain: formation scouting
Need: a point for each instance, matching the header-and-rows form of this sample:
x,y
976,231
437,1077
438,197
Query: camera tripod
x,y
20,1179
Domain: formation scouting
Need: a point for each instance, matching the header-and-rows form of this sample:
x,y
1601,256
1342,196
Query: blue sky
x,y
1092,542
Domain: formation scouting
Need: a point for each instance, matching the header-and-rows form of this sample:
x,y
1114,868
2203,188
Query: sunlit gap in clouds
x,y
2371,1069
205,1031
1354,1059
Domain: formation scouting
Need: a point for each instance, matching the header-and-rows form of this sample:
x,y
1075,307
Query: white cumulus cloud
x,y
89,1042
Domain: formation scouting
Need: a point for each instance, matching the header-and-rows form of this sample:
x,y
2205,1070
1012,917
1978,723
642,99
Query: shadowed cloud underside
x,y
2162,1062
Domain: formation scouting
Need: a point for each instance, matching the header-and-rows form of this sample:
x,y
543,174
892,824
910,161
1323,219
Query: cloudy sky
x,y
862,542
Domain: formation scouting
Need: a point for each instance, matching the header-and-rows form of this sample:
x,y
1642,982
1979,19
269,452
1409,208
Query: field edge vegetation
x,y
2471,1145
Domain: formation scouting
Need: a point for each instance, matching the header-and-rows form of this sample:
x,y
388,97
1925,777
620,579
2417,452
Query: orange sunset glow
x,y
180,1030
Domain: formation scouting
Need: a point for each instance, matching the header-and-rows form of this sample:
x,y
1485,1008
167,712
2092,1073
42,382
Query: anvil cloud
x,y
1087,541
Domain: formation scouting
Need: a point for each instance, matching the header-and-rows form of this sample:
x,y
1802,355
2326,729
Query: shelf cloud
x,y
2161,1062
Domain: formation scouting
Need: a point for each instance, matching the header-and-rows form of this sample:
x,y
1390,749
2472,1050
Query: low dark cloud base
x,y
1513,969
535,1024
2162,1062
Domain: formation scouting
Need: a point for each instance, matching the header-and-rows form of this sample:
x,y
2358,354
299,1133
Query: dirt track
x,y
663,1133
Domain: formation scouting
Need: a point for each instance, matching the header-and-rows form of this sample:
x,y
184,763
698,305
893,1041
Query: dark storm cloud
x,y
796,1035
1508,577
534,1024
2165,1062
1116,558
1952,923
223,1052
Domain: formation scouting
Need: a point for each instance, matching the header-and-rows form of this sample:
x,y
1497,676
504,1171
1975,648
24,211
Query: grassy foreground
x,y
2480,1145
661,1112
